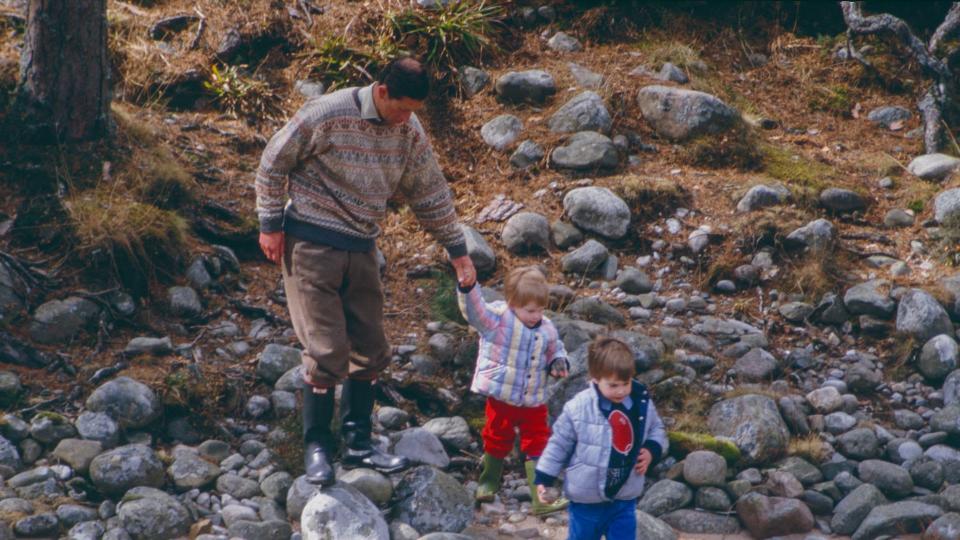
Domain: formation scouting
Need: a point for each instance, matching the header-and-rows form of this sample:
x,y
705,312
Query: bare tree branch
x,y
884,22
950,23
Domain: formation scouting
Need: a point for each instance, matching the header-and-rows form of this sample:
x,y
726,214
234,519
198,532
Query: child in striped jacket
x,y
519,350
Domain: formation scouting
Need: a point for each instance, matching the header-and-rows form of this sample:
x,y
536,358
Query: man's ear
x,y
381,90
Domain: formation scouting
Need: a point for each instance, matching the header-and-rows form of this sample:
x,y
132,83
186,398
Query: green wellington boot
x,y
537,507
489,482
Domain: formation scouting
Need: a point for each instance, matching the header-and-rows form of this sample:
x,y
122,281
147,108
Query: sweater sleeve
x,y
282,155
475,310
555,348
558,452
426,191
656,441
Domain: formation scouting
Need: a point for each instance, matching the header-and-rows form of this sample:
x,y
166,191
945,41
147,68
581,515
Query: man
x,y
322,189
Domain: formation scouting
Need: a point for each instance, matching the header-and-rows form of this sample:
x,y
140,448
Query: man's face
x,y
395,111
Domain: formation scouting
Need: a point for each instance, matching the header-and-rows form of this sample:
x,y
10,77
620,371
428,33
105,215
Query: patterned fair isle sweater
x,y
327,175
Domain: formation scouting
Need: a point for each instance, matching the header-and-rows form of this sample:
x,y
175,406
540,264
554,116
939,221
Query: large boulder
x,y
430,500
897,518
664,497
754,423
817,236
946,205
773,516
115,471
919,315
480,252
585,112
342,512
131,403
151,514
61,321
10,462
852,509
275,360
585,151
680,114
938,358
501,132
586,259
598,210
533,86
762,196
870,298
933,166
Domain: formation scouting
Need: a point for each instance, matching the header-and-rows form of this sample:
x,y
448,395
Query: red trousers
x,y
503,420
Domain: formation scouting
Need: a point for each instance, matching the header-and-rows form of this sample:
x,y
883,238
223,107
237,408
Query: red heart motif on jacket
x,y
621,432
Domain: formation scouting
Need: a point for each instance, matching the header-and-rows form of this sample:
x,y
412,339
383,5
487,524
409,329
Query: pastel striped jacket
x,y
513,362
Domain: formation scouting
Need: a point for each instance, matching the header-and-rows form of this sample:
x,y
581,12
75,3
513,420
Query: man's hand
x,y
466,273
643,461
272,245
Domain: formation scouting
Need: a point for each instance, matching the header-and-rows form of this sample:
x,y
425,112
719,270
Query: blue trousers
x,y
615,520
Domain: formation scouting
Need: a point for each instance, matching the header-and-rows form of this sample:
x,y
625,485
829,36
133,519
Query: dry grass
x,y
737,148
753,389
814,275
650,196
810,448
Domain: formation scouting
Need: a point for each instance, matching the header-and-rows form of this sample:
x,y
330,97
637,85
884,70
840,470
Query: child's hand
x,y
547,495
643,461
558,368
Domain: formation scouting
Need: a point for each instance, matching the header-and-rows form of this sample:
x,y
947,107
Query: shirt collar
x,y
368,110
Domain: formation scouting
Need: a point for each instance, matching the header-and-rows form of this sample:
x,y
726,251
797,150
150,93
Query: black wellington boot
x,y
318,455
356,403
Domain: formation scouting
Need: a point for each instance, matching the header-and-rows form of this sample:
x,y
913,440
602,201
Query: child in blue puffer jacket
x,y
606,439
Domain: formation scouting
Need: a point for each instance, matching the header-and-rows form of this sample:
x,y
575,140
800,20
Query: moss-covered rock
x,y
682,443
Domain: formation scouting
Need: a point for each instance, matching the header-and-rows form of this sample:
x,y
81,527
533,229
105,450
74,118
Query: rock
x,y
71,514
762,196
48,428
392,417
237,487
926,473
525,232
830,310
862,378
756,366
713,499
817,236
920,315
283,403
10,388
340,511
298,495
151,514
116,471
951,388
597,311
947,419
197,275
372,484
526,155
851,511
946,527
796,312
670,72
563,42
842,200
859,443
189,472
887,115
533,86
680,114
275,360
233,513
77,453
896,518
946,205
868,299
633,281
704,468
265,530
309,89
586,259
473,80
773,516
585,151
598,210
898,218
44,524
664,496
163,28
184,302
9,458
754,423
429,500
938,358
131,403
452,431
501,132
698,522
893,480
62,321
825,400
150,346
933,166
291,381
584,112
87,530
482,255
421,446
651,528
585,78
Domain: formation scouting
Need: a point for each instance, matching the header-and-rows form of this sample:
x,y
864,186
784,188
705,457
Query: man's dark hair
x,y
405,78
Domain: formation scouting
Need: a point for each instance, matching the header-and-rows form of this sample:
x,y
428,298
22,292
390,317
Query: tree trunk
x,y
64,91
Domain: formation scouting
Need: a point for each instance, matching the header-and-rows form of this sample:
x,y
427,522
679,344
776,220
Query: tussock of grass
x,y
680,54
814,276
796,169
242,96
810,448
443,303
682,443
835,99
649,195
738,147
753,390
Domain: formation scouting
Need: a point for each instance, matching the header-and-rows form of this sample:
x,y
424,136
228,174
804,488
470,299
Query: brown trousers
x,y
335,300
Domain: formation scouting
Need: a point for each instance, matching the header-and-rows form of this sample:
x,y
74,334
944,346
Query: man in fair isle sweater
x,y
322,189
